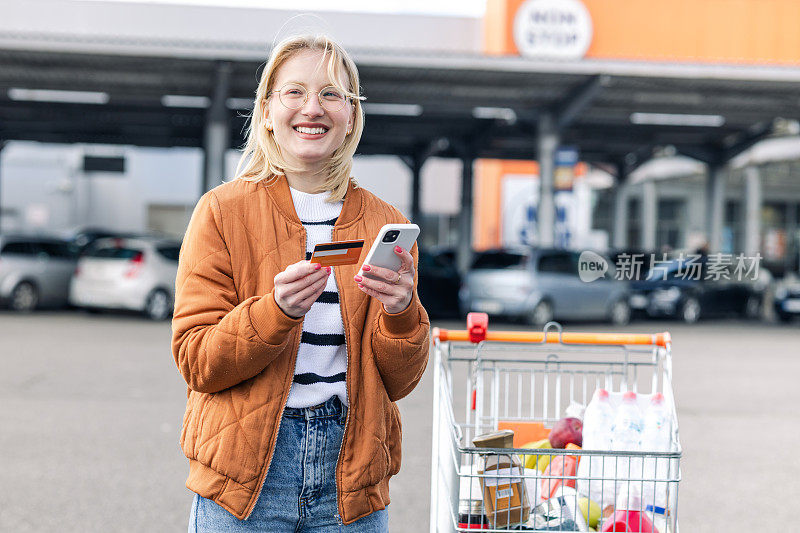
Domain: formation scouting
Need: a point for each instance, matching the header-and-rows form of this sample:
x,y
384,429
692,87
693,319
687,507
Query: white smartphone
x,y
382,252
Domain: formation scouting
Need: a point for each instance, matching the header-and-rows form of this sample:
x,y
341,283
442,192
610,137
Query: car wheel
x,y
620,313
158,306
24,297
785,317
690,310
541,314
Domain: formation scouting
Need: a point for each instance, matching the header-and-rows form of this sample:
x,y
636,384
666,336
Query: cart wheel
x,y
541,314
690,310
620,313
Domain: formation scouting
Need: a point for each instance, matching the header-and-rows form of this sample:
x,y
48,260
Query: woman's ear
x,y
265,115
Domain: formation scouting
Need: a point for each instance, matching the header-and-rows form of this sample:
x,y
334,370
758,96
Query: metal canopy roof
x,y
591,101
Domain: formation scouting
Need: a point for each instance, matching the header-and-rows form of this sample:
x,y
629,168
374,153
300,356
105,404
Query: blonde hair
x,y
261,156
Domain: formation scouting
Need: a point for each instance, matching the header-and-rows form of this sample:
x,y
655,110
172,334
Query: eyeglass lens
x,y
294,97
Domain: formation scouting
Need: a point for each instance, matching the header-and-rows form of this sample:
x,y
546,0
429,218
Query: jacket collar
x,y
279,191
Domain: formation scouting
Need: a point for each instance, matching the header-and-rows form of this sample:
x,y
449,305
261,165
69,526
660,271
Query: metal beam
x,y
547,144
580,99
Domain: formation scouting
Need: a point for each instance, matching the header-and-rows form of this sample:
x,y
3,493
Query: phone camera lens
x,y
391,235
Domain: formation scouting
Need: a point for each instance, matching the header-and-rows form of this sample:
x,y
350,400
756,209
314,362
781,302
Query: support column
x,y
649,214
715,206
464,250
546,154
2,145
752,213
416,183
217,133
620,210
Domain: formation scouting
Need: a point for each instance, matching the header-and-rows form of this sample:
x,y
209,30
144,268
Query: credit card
x,y
337,253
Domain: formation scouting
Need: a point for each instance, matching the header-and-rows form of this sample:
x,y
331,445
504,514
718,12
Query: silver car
x,y
35,271
135,274
540,285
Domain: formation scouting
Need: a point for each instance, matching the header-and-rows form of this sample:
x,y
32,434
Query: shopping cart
x,y
524,380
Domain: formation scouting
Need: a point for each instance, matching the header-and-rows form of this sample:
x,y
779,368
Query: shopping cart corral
x,y
485,381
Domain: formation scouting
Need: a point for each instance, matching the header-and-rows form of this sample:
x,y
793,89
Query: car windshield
x,y
500,261
112,252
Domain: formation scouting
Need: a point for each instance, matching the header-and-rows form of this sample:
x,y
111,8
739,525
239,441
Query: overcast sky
x,y
471,8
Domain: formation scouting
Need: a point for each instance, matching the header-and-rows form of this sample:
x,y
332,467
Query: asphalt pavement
x,y
91,407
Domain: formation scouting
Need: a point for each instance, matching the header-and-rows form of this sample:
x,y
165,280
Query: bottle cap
x,y
601,394
657,398
629,396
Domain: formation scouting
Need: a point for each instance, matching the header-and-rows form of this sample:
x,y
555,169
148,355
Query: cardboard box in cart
x,y
504,495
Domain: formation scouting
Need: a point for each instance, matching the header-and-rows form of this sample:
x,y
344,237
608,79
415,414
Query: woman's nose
x,y
312,106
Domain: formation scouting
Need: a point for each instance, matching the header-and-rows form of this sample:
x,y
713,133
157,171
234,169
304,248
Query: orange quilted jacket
x,y
236,349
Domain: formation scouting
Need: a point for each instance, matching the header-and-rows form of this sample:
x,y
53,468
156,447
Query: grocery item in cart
x,y
558,473
496,439
504,494
559,513
629,515
598,421
565,431
627,437
656,437
534,461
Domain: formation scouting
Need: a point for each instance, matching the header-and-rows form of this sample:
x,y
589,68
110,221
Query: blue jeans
x,y
299,492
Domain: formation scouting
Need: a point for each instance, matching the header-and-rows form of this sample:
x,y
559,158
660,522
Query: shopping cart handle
x,y
657,339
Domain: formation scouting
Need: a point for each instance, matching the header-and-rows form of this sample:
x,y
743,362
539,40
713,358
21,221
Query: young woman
x,y
292,368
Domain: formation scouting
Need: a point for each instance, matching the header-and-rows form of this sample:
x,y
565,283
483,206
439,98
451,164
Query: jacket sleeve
x,y
218,341
401,342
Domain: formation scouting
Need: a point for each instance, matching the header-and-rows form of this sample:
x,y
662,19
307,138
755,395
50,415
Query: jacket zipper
x,y
347,393
285,401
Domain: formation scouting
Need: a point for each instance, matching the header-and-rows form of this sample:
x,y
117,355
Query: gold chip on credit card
x,y
337,253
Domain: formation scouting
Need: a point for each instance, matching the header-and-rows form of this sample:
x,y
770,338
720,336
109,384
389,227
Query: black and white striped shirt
x,y
321,367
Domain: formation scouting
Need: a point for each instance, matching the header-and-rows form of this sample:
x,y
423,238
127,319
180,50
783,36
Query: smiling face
x,y
307,136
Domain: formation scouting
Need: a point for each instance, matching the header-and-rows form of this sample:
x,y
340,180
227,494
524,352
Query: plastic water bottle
x,y
656,437
627,437
598,422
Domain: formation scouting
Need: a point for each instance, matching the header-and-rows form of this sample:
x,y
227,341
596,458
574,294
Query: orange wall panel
x,y
714,31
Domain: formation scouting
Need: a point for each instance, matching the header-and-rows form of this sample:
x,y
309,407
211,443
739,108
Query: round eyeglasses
x,y
294,96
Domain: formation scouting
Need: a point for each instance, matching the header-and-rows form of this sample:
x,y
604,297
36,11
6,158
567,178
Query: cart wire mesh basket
x,y
487,381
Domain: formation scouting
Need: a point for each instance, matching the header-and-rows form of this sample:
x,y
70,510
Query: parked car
x,y
540,285
35,271
674,289
438,284
787,299
127,273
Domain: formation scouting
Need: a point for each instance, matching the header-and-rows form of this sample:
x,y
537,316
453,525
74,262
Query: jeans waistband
x,y
333,407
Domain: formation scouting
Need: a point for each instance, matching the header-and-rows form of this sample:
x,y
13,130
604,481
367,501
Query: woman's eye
x,y
332,94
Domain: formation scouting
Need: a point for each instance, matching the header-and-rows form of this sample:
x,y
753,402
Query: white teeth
x,y
310,131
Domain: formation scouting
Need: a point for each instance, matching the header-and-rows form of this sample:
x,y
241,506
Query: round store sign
x,y
552,29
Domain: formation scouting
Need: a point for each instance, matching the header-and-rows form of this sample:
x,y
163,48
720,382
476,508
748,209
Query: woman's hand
x,y
299,286
392,288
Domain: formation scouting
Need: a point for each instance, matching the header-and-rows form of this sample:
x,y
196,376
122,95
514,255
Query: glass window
x,y
169,252
57,249
18,248
500,261
558,263
111,252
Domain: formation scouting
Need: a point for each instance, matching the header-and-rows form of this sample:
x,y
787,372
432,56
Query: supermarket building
x,y
579,123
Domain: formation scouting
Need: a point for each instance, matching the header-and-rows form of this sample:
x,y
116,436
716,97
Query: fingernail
x,y
398,249
317,266
365,268
358,278
328,270
361,287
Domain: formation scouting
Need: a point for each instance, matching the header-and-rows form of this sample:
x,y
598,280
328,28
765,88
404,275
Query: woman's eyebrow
x,y
329,84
